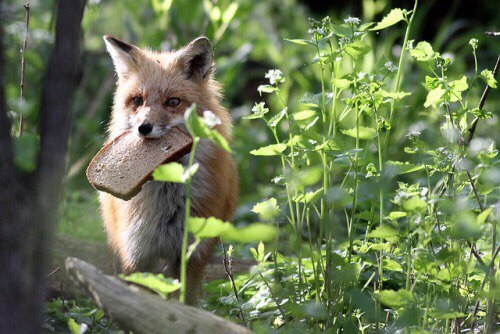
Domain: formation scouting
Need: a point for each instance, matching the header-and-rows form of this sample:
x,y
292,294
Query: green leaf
x,y
392,265
273,122
171,172
158,283
384,231
300,41
267,210
488,77
73,326
266,89
423,52
161,6
230,12
207,227
434,96
396,214
310,176
197,128
341,83
393,95
274,149
304,114
459,85
415,203
357,49
404,167
364,133
481,218
309,196
395,299
212,227
251,233
396,15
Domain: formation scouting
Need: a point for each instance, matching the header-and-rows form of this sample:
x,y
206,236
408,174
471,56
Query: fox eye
x,y
137,101
173,102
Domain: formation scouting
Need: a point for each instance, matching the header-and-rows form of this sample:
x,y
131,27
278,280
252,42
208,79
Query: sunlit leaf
x,y
157,282
277,118
251,233
266,89
434,96
384,231
309,196
414,203
300,41
396,15
488,77
404,167
357,49
274,149
304,114
395,299
423,52
364,133
230,12
171,172
396,214
267,210
481,218
207,227
197,128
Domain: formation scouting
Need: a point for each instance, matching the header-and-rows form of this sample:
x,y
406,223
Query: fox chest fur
x,y
153,91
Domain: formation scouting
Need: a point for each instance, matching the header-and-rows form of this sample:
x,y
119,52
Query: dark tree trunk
x,y
29,203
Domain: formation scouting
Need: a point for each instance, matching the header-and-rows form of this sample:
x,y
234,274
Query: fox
x,y
153,91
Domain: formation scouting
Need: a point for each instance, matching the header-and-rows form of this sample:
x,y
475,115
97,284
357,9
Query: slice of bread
x,y
123,165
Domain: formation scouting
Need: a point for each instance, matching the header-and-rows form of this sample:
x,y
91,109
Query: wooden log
x,y
143,312
98,255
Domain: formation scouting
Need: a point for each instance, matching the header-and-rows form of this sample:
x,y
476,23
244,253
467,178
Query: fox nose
x,y
145,128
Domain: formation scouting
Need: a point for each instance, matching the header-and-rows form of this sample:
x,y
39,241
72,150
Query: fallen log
x,y
142,312
97,254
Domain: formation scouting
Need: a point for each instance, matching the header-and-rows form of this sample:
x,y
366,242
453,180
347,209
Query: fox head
x,y
155,88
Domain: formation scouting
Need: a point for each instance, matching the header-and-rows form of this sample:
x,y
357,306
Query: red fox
x,y
153,91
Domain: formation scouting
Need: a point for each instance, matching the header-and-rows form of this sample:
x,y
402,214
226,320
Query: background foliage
x,y
411,269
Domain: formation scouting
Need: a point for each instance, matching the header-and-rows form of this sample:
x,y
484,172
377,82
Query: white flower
x,y
275,76
390,66
352,20
210,119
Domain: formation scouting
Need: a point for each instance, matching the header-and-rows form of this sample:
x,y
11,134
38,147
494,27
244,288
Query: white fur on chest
x,y
155,223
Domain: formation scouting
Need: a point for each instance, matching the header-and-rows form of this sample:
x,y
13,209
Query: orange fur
x,y
144,232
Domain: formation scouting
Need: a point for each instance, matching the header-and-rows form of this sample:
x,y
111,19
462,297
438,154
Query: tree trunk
x,y
29,203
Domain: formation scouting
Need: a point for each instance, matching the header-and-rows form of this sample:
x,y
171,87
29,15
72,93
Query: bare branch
x,y
229,271
472,129
23,66
6,167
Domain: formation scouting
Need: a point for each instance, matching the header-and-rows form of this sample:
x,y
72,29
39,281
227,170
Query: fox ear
x,y
198,59
123,54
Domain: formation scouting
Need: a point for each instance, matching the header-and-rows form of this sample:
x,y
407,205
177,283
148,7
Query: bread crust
x,y
143,156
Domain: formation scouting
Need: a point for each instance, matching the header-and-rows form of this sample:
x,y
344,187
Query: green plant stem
x,y
187,214
400,69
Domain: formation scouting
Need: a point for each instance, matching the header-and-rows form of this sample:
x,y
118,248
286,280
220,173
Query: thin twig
x,y
474,189
472,129
476,307
23,67
229,271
